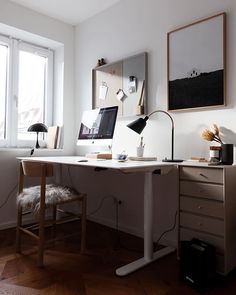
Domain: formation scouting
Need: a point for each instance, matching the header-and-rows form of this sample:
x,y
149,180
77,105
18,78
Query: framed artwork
x,y
196,64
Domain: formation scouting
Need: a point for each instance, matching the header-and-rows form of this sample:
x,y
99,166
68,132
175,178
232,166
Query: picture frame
x,y
196,64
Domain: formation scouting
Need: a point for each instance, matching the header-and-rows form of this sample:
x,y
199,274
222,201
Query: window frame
x,y
15,46
6,42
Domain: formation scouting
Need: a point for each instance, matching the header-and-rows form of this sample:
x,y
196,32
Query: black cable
x,y
100,205
119,244
8,196
101,202
166,231
11,192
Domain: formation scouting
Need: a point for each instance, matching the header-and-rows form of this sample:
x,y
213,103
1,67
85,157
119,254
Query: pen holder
x,y
140,150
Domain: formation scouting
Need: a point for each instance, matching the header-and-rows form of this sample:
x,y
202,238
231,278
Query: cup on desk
x,y
140,151
121,157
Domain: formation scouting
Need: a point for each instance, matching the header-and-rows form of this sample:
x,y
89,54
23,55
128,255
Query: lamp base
x,y
172,160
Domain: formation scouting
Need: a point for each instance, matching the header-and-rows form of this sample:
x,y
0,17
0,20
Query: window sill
x,y
37,152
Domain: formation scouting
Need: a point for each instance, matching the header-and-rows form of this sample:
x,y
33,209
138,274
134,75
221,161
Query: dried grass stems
x,y
212,135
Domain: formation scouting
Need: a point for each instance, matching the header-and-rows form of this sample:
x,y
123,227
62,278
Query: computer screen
x,y
97,126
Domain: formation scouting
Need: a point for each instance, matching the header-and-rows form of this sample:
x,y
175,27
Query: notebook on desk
x,y
143,158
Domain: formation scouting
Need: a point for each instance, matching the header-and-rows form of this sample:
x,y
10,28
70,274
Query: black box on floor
x,y
197,263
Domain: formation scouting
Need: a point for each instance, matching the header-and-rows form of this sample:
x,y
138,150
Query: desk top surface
x,y
127,166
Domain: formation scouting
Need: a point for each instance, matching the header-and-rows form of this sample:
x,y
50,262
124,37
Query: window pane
x,y
31,95
3,84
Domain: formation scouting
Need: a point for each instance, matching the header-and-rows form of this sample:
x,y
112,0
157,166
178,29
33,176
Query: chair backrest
x,y
36,169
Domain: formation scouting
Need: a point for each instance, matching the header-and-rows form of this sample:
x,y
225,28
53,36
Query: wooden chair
x,y
37,199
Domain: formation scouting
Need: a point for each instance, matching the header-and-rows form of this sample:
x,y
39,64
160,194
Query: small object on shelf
x,y
101,62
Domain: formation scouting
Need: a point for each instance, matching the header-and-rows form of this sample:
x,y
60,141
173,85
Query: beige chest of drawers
x,y
207,209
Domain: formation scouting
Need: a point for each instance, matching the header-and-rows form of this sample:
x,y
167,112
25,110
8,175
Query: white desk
x,y
127,167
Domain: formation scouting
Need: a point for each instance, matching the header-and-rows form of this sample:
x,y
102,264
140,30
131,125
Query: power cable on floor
x,y
8,196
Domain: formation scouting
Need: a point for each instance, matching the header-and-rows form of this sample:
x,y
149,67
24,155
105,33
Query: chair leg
x,y
41,239
18,232
54,216
83,224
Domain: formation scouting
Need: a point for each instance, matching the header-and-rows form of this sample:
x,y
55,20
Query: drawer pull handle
x,y
201,174
199,207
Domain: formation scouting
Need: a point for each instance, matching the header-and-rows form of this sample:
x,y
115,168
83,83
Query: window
x,y
26,77
3,88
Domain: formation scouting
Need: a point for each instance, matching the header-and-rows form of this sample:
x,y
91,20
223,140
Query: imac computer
x,y
97,126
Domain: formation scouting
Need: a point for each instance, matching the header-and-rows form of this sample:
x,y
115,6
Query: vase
x,y
227,153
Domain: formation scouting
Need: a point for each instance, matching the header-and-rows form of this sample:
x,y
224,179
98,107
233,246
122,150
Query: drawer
x,y
201,223
200,206
214,175
187,235
202,190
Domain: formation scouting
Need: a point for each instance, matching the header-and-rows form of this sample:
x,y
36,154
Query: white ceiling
x,y
68,11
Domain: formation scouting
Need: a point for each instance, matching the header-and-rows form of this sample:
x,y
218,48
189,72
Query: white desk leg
x,y
149,256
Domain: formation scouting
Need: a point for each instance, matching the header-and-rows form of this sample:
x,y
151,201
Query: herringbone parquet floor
x,y
67,272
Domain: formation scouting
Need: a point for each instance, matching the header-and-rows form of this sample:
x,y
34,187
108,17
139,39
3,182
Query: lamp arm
x,y
172,129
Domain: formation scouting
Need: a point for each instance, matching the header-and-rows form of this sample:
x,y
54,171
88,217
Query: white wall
x,y
35,23
132,27
128,28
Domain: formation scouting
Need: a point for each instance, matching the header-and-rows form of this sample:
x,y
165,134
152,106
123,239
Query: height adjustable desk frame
x,y
127,167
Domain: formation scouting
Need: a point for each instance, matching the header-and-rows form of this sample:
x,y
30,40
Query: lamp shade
x,y
38,127
138,125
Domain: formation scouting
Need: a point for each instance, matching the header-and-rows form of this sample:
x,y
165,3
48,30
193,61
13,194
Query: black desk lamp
x,y
38,127
139,124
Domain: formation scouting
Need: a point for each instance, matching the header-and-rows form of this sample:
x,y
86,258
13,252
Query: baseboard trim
x,y
7,225
132,231
108,223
